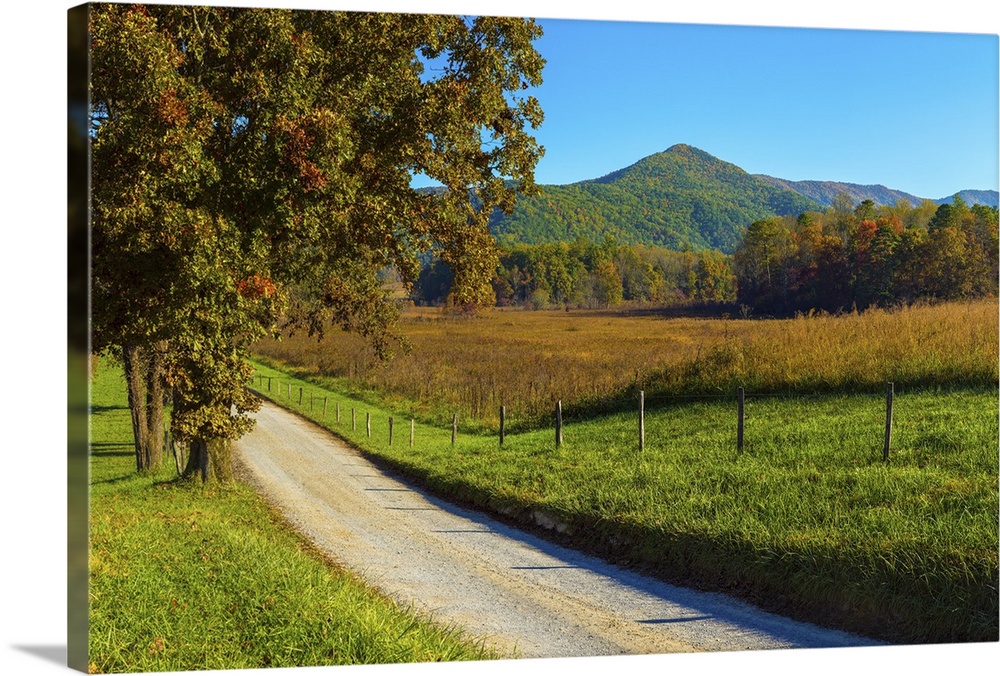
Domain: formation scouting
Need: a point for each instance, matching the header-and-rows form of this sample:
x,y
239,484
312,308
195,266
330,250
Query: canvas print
x,y
416,338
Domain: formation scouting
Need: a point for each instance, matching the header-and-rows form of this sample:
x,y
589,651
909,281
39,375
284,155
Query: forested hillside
x,y
989,198
848,256
680,198
682,227
827,192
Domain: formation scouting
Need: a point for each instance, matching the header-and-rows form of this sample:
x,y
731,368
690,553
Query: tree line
x,y
584,274
860,256
851,256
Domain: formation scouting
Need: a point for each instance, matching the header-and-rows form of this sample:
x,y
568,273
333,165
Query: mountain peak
x,y
686,149
682,197
677,159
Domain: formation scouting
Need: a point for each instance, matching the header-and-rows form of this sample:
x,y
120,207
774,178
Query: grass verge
x,y
807,520
184,577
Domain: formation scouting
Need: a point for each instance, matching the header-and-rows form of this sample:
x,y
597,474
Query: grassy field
x,y
188,578
595,361
807,520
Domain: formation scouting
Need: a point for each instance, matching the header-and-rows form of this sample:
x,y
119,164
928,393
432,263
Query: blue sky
x,y
912,111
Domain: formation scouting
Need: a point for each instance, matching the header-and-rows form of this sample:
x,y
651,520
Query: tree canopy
x,y
252,169
866,255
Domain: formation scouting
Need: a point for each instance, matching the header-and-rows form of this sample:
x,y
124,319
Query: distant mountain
x,y
682,197
823,192
988,197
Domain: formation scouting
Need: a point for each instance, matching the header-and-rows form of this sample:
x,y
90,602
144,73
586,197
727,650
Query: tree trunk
x,y
143,375
210,460
136,380
154,405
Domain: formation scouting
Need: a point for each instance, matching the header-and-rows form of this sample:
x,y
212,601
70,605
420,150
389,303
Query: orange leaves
x,y
172,108
310,176
894,223
866,231
300,141
255,287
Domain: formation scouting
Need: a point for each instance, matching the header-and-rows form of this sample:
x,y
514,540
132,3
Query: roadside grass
x,y
808,520
185,577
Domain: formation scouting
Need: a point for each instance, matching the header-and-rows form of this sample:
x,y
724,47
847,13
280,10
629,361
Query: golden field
x,y
526,360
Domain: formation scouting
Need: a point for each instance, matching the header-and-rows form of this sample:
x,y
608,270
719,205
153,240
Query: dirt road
x,y
517,591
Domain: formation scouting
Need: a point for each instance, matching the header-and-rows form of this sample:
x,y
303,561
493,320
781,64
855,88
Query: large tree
x,y
252,168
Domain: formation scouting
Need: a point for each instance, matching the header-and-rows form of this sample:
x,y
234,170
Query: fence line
x,y
642,420
741,418
888,423
642,401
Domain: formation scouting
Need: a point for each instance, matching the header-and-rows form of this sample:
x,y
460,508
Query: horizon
x,y
722,159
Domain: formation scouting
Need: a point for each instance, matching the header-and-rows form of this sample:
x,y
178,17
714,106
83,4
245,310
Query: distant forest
x,y
847,257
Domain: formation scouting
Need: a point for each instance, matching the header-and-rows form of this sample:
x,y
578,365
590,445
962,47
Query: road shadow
x,y
97,408
680,606
110,449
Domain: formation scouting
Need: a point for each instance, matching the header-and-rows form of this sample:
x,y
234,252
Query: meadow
x,y
595,361
807,519
186,577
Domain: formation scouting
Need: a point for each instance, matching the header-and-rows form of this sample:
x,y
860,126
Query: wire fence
x,y
326,408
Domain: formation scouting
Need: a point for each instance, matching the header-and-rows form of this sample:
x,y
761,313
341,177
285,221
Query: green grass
x,y
184,577
807,520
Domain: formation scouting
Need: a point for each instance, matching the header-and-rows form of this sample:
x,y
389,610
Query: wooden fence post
x,y
390,430
368,422
888,422
503,420
739,423
338,412
300,395
310,401
559,434
411,432
353,420
269,383
324,407
642,420
454,428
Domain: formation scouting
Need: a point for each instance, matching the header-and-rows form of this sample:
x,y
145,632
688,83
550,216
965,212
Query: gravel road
x,y
521,594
